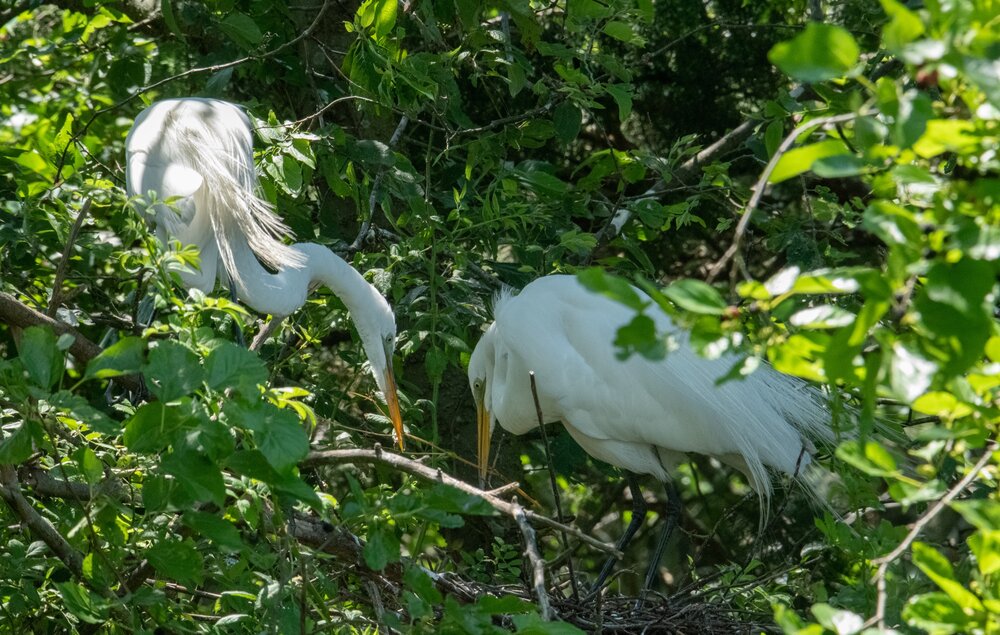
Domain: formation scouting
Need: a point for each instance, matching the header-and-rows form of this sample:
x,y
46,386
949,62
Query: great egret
x,y
640,415
191,161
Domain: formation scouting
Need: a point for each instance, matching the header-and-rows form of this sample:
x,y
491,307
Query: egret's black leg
x,y
673,513
237,331
638,516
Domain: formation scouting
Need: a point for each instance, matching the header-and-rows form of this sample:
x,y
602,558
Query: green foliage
x,y
869,264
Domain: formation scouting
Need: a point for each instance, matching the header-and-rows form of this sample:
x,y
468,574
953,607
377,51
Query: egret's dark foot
x,y
638,516
669,522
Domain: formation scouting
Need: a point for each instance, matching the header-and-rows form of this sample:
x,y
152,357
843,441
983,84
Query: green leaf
x,y
613,287
16,447
982,513
639,336
904,26
385,17
910,372
90,466
196,474
773,135
177,560
567,119
871,458
818,53
937,568
623,32
622,94
954,306
280,436
894,225
823,316
151,428
985,544
936,613
230,365
242,29
799,160
41,356
169,18
124,357
83,603
173,371
839,166
696,296
219,530
382,547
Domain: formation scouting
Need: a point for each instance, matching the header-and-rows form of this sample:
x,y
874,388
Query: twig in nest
x,y
552,481
537,564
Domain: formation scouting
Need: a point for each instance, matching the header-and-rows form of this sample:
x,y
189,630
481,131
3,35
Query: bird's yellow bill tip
x,y
392,401
483,427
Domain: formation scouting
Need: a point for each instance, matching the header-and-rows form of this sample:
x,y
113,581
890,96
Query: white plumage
x,y
191,162
637,414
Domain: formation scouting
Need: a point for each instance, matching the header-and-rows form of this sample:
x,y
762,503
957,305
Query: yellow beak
x,y
392,401
483,425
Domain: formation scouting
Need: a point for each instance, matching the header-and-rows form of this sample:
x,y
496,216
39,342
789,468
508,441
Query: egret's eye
x,y
388,339
478,384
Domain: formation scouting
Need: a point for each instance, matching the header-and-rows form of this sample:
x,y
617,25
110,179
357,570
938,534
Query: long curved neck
x,y
284,292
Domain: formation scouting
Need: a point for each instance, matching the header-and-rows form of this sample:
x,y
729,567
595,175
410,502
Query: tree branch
x,y
761,185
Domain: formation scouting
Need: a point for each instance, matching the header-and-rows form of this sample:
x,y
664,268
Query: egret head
x,y
377,329
480,380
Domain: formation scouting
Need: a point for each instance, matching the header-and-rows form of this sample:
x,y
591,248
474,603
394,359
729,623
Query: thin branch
x,y
10,492
537,564
376,185
330,457
761,185
552,480
684,173
56,299
884,561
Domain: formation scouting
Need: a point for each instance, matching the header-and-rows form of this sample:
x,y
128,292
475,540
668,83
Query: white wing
x,y
565,333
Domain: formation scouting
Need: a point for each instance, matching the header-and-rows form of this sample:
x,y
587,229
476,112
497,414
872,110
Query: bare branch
x,y
329,457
